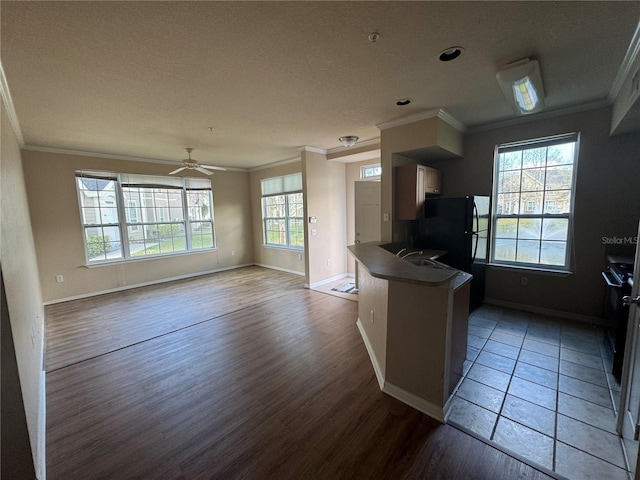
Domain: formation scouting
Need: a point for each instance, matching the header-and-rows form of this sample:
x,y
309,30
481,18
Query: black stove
x,y
619,279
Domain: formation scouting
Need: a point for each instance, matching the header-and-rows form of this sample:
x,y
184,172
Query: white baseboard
x,y
286,270
430,409
545,311
420,404
41,459
376,366
328,280
144,284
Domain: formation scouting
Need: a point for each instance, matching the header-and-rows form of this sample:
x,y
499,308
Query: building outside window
x,y
128,216
283,211
533,196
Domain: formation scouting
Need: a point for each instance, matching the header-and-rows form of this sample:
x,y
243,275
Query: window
x,y
533,195
283,211
371,171
162,215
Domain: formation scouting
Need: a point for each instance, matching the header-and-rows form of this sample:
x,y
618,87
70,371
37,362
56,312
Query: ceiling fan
x,y
191,164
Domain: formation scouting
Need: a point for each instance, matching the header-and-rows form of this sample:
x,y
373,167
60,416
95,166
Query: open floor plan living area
x,y
276,384
319,240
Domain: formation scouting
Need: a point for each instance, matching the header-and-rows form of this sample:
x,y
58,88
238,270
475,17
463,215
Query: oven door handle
x,y
610,281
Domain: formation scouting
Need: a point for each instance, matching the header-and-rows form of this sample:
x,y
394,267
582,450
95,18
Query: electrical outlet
x,y
328,261
523,280
233,252
299,256
59,278
385,217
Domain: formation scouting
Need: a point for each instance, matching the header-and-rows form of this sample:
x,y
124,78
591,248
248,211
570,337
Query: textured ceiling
x,y
146,79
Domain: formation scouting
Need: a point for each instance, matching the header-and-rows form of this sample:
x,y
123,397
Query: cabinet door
x,y
433,180
409,191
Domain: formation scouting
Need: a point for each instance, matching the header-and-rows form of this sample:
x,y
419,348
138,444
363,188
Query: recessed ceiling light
x,y
450,53
403,101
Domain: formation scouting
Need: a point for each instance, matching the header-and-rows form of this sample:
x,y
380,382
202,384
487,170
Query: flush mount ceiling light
x,y
521,83
450,53
348,140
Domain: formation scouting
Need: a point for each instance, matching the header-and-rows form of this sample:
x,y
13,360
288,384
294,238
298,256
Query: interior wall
x,y
24,298
325,198
430,133
352,175
279,258
16,457
50,180
607,205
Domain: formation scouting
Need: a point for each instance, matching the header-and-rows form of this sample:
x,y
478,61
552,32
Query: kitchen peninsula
x,y
413,315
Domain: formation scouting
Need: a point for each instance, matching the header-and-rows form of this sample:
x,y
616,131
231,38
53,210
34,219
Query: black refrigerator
x,y
461,227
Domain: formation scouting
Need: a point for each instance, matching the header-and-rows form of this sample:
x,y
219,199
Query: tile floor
x,y
539,387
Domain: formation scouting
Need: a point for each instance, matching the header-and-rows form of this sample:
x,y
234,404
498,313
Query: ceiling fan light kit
x,y
190,164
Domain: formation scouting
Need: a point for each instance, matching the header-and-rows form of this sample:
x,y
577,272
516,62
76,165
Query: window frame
x,y
524,213
371,166
124,205
284,189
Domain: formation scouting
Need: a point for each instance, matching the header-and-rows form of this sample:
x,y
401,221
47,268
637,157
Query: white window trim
x,y
370,177
284,185
569,253
123,225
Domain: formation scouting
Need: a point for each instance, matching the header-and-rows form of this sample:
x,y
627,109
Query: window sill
x,y
532,270
283,247
116,261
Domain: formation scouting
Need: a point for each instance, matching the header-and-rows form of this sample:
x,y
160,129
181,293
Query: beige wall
x,y
59,238
24,298
352,172
373,296
274,257
607,204
325,198
416,339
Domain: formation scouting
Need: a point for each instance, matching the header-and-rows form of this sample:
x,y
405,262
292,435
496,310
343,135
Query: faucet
x,y
415,252
400,251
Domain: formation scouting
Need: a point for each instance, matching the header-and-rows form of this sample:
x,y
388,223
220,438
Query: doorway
x,y
367,214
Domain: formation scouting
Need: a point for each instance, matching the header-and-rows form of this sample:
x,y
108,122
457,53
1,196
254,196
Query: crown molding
x,y
435,112
127,158
625,67
308,148
275,164
454,122
541,116
364,143
8,103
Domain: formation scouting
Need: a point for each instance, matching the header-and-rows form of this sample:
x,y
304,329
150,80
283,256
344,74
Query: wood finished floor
x,y
268,381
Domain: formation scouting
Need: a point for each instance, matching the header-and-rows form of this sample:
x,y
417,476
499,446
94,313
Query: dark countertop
x,y
384,264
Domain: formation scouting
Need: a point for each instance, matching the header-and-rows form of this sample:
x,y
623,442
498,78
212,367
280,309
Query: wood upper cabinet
x,y
412,183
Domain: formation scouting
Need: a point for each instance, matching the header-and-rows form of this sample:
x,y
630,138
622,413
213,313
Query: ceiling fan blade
x,y
202,170
213,167
177,170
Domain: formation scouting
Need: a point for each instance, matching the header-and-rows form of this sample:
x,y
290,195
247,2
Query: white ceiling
x,y
146,79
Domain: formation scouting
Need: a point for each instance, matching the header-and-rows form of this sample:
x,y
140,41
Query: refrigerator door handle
x,y
477,218
476,232
475,250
